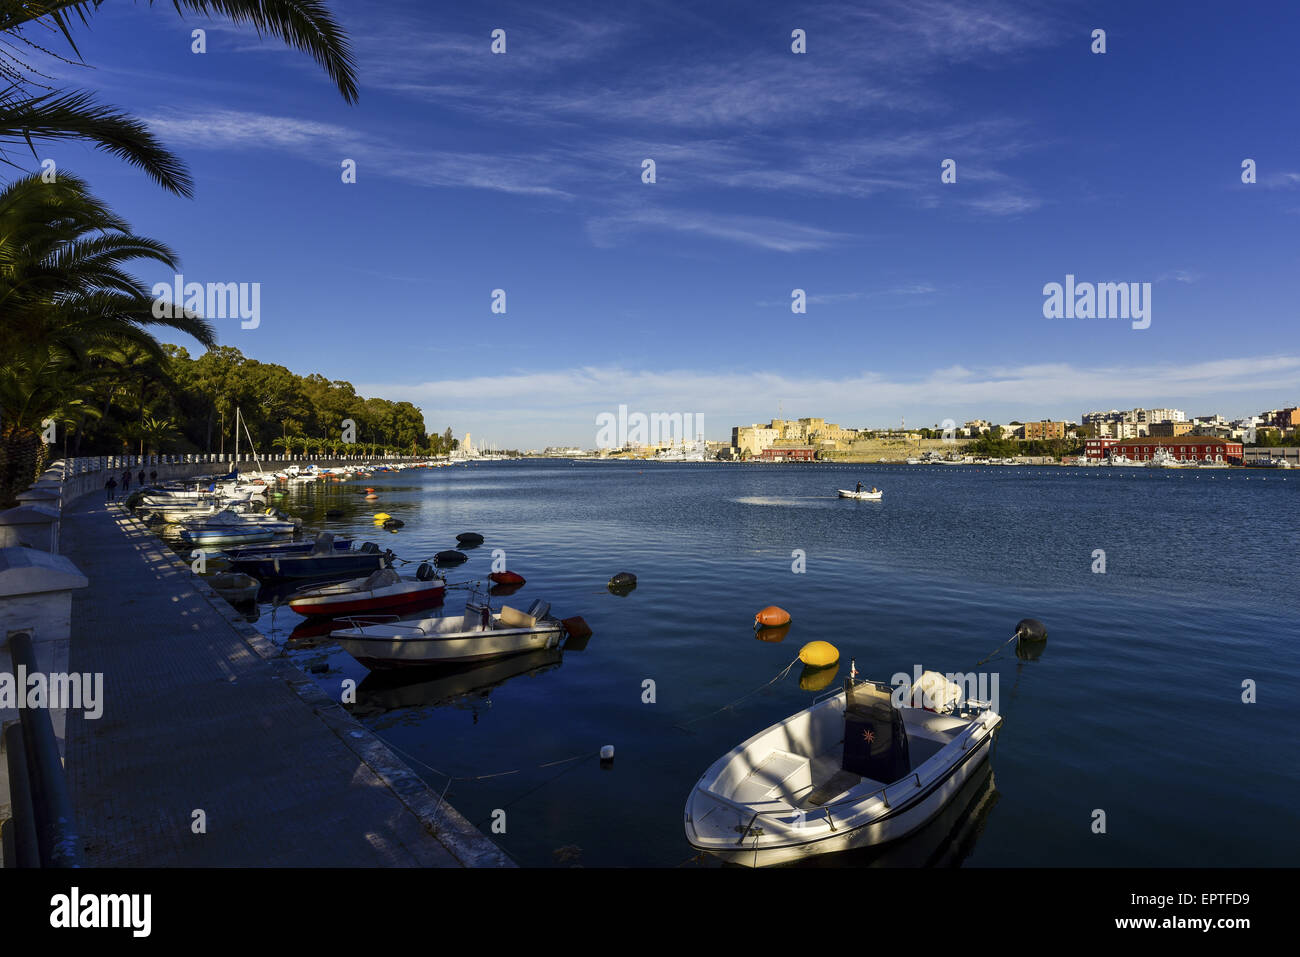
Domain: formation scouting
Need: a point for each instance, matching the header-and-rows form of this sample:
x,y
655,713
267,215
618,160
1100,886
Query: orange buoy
x,y
507,578
771,617
372,497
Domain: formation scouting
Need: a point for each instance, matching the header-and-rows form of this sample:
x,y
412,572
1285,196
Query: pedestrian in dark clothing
x,y
141,476
110,488
153,477
126,481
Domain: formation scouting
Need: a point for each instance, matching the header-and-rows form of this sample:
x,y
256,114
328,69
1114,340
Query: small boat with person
x,y
872,495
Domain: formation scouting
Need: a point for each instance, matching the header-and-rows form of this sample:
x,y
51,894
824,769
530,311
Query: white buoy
x,y
607,754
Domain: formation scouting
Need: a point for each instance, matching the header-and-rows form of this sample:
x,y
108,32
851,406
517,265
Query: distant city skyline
x,y
815,178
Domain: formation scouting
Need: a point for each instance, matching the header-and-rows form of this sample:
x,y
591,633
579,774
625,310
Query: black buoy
x,y
1031,638
450,557
622,583
393,523
469,538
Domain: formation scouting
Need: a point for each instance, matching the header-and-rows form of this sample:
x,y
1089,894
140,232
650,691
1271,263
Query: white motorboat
x,y
851,771
875,495
1165,459
478,635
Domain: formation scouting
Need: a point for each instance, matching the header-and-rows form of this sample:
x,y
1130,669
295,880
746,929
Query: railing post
x,y
56,825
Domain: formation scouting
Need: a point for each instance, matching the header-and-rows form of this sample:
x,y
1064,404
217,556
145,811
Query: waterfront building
x,y
1184,448
791,453
1170,428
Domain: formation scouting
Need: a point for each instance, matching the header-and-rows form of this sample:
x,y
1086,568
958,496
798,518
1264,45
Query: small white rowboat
x,y
799,789
864,495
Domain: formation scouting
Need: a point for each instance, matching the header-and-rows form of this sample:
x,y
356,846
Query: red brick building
x,y
803,453
1184,448
1098,449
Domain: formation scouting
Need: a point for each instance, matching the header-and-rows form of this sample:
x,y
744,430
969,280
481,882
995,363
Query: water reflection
x,y
469,687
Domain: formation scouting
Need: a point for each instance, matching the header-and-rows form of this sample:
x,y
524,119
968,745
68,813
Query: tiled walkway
x,y
201,714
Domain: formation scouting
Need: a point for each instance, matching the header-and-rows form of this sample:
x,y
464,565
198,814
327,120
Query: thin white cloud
x,y
779,235
532,408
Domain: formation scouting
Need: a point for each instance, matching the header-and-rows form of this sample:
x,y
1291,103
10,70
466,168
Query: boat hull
x,y
369,601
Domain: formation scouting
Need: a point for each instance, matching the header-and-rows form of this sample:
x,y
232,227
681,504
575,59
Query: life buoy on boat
x,y
771,617
819,654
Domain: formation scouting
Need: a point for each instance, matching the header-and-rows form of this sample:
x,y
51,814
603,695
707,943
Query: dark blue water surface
x,y
1134,709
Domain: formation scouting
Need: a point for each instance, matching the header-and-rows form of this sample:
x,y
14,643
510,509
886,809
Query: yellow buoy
x,y
819,654
382,516
771,617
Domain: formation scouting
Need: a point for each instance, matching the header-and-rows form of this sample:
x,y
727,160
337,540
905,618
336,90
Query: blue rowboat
x,y
321,562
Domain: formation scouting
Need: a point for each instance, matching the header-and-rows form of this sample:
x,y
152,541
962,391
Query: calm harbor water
x,y
1134,708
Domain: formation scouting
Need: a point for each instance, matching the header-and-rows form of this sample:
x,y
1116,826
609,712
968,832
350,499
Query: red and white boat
x,y
382,590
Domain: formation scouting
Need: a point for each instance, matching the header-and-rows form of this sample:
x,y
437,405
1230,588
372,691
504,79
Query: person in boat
x,y
874,490
859,488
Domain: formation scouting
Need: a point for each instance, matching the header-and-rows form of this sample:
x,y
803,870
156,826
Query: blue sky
x,y
775,171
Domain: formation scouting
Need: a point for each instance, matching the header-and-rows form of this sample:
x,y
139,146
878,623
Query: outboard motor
x,y
370,548
875,741
424,573
539,609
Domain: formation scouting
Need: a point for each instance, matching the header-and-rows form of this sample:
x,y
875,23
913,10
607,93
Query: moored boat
x,y
383,590
323,561
477,635
851,771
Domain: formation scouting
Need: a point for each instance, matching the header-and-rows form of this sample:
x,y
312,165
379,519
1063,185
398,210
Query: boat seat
x,y
779,772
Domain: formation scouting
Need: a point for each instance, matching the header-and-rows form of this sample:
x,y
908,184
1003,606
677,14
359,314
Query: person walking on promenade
x,y
141,477
153,477
126,482
110,489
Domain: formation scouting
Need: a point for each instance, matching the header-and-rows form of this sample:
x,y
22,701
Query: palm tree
x,y
64,295
26,116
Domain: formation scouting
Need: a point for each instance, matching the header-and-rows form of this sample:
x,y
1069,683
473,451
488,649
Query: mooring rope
x,y
685,725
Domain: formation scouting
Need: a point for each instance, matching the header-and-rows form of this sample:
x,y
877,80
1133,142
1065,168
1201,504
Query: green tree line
x,y
77,346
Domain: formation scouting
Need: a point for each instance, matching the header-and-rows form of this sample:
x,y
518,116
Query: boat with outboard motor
x,y
870,764
382,590
453,639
